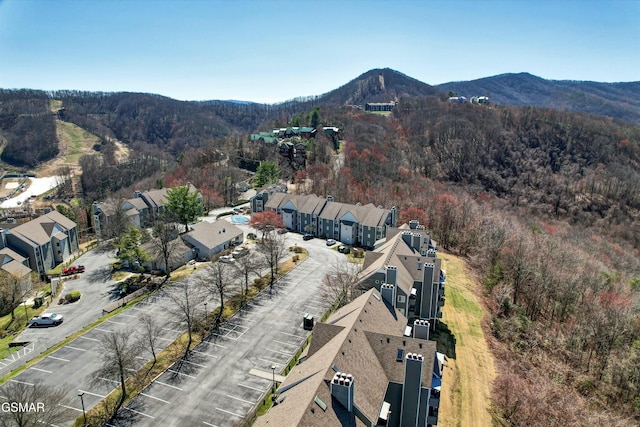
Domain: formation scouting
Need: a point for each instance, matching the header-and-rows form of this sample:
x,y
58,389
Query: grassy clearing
x,y
75,140
469,368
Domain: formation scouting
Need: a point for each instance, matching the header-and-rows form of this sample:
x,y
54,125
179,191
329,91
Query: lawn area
x,y
10,330
469,368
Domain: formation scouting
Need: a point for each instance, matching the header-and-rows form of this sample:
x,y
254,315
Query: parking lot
x,y
227,375
224,378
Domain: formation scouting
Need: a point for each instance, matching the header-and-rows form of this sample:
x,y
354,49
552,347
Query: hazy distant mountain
x,y
618,100
377,85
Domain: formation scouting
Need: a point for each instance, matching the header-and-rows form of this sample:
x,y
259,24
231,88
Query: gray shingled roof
x,y
38,231
361,339
138,203
212,234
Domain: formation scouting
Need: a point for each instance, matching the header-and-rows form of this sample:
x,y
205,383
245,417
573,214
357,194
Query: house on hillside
x,y
210,238
142,210
407,267
380,106
18,266
46,241
350,224
361,370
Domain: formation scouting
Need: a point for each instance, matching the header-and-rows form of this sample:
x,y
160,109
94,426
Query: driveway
x,y
95,285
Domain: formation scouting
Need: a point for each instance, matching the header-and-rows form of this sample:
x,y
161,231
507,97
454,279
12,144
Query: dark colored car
x,y
343,249
307,237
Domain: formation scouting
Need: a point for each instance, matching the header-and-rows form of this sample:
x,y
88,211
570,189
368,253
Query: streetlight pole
x,y
273,370
84,414
205,315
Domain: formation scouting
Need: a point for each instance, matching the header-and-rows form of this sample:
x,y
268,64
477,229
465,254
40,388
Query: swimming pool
x,y
239,219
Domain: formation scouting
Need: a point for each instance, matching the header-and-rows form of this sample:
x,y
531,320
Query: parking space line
x,y
287,343
59,358
139,309
281,352
70,407
107,379
138,412
271,361
294,335
41,370
196,364
165,339
209,424
92,394
156,398
103,330
88,339
180,373
114,322
172,330
127,315
217,345
230,413
75,348
249,387
206,354
241,400
168,385
21,382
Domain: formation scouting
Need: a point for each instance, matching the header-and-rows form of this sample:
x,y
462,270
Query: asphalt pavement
x,y
96,286
229,370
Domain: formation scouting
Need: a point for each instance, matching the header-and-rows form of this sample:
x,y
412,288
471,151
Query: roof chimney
x,y
392,275
415,241
406,237
421,329
413,224
329,198
411,388
427,289
388,293
342,389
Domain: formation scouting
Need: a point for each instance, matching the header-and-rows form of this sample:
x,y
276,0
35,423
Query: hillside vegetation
x,y
544,204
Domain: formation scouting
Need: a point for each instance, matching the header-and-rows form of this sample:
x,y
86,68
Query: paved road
x,y
227,375
95,284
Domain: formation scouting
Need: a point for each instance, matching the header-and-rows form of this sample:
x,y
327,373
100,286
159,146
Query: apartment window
x,y
401,299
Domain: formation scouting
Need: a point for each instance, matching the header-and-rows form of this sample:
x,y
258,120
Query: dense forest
x,y
27,128
545,205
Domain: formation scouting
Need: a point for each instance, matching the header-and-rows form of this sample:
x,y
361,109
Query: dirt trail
x,y
466,384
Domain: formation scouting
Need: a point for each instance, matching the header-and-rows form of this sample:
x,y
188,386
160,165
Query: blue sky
x,y
274,50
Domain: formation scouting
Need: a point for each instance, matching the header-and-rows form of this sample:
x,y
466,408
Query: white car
x,y
46,319
239,252
331,242
226,258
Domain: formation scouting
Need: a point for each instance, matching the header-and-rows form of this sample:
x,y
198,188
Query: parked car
x,y
239,252
226,258
331,242
282,230
307,237
343,249
73,269
46,319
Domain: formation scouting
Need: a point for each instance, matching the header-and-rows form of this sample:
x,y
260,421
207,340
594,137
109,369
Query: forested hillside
x,y
545,204
617,100
27,128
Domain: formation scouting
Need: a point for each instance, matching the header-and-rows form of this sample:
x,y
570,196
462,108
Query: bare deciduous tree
x,y
165,243
273,249
340,282
35,405
247,265
151,331
186,298
118,355
218,279
13,290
